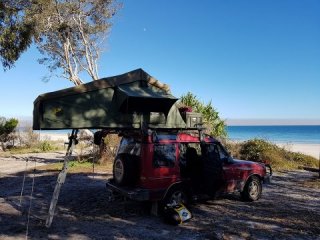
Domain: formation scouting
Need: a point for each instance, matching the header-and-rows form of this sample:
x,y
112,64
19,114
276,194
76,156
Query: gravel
x,y
289,209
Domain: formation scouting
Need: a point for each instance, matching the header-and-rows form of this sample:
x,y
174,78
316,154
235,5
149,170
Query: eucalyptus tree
x,y
70,34
15,33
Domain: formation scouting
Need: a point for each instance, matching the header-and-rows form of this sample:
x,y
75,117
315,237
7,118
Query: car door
x,y
212,168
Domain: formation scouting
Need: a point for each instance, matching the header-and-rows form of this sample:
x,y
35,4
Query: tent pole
x,y
61,177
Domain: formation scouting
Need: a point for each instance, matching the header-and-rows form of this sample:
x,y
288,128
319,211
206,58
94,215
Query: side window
x,y
183,150
222,153
129,146
164,155
210,152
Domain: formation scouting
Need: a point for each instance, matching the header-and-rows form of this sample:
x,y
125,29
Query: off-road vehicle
x,y
174,166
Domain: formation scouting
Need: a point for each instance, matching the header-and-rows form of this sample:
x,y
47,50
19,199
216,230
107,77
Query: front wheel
x,y
252,190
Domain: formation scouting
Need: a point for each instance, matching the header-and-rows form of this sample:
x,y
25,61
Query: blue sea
x,y
276,134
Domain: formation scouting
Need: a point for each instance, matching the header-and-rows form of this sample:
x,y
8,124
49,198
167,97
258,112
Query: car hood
x,y
248,164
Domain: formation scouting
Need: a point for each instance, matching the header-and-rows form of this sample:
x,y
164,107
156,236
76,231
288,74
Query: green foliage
x,y
7,127
215,125
254,149
68,33
46,146
77,164
15,33
260,150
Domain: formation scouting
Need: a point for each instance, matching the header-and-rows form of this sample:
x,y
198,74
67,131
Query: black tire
x,y
126,170
252,190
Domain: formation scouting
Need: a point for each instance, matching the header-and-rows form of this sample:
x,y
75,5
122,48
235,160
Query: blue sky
x,y
252,59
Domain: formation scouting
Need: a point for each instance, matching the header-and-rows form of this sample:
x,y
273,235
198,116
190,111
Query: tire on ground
x,y
252,190
126,170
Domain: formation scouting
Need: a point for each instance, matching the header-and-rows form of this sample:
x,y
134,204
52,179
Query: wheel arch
x,y
176,185
248,178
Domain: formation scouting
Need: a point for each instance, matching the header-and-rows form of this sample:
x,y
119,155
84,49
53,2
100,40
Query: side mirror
x,y
229,160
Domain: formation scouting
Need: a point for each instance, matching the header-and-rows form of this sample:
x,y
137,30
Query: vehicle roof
x,y
184,137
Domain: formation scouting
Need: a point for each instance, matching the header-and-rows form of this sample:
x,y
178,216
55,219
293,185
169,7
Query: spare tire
x,y
126,169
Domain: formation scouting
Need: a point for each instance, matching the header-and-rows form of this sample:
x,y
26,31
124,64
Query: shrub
x,y
46,146
260,150
7,128
108,148
233,148
31,138
255,149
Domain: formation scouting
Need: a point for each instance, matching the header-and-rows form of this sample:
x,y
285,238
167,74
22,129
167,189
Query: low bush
x,y
260,150
46,146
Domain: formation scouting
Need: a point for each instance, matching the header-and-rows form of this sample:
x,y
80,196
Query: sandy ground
x,y
21,162
54,137
288,209
309,149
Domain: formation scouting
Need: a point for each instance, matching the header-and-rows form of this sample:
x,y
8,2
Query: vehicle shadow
x,y
287,209
83,210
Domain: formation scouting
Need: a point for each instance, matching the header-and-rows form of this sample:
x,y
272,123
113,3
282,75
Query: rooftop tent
x,y
144,100
118,102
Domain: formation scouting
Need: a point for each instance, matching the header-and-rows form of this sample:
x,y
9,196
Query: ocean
x,y
276,134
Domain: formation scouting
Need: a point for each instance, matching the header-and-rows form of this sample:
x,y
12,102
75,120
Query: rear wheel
x,y
176,195
252,190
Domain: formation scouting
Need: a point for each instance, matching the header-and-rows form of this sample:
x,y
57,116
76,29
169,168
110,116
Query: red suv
x,y
179,166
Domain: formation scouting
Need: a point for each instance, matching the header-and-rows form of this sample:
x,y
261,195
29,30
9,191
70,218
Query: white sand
x,y
309,149
54,137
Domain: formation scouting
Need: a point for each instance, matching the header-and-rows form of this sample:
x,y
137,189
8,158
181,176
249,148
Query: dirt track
x,y
289,209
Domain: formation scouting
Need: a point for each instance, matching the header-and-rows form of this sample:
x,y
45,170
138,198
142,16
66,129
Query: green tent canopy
x,y
125,101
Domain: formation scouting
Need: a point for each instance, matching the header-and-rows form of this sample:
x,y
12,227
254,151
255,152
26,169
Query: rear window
x,y
164,155
130,146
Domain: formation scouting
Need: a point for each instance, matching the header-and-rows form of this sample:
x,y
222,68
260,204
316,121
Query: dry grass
x,y
260,150
79,167
40,147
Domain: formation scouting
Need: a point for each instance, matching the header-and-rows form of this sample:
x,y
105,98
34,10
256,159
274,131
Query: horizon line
x,y
272,122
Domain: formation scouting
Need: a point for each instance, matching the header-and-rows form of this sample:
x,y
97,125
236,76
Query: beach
x,y
310,149
86,210
63,137
305,148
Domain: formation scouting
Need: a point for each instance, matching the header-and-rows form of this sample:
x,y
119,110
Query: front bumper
x,y
267,179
